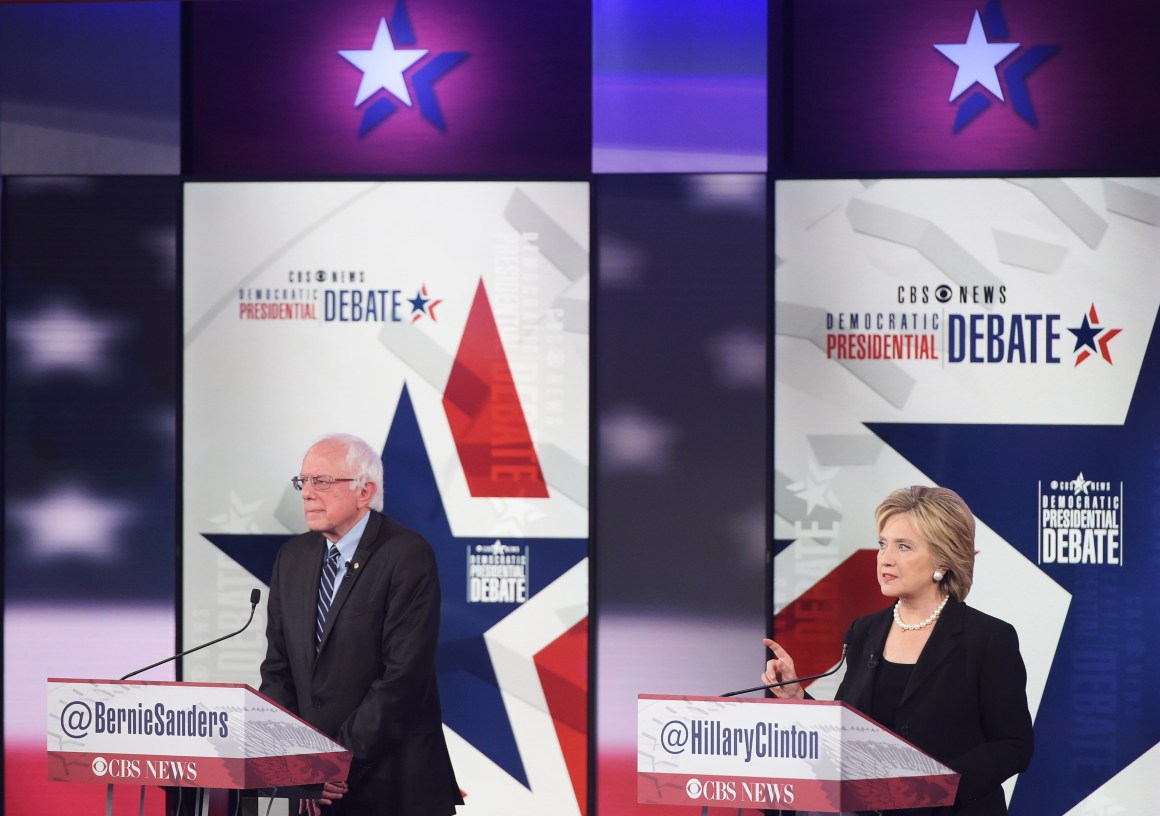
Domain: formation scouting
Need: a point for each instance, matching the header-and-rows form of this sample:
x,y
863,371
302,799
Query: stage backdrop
x,y
995,337
447,324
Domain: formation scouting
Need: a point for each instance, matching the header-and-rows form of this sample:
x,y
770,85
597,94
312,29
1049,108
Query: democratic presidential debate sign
x,y
446,324
196,735
997,337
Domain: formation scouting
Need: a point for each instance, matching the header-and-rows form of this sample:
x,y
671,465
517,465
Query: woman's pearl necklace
x,y
910,627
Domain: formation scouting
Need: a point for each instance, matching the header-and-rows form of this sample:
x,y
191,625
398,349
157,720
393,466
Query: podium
x,y
183,735
805,755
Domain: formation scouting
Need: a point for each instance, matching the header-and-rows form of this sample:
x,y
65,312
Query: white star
x,y
497,548
513,517
62,338
976,59
815,490
240,517
739,354
73,522
383,66
632,440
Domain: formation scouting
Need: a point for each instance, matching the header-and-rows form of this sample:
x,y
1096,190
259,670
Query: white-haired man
x,y
352,635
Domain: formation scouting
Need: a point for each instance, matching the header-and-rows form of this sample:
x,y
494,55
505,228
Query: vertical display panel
x,y
90,88
90,401
996,337
681,429
679,87
446,324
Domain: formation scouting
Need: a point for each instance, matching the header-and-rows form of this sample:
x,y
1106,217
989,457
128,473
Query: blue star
x,y
1106,639
1085,335
419,303
254,553
1016,76
473,705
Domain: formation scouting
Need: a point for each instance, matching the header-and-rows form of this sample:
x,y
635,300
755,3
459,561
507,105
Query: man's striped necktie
x,y
325,593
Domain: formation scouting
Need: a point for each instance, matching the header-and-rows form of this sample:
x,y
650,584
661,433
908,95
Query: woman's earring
x,y
938,575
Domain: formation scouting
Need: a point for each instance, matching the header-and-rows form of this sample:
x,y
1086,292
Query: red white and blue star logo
x,y
423,305
1091,337
385,66
978,61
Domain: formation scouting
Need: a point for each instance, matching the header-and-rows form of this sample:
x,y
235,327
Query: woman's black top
x,y
889,682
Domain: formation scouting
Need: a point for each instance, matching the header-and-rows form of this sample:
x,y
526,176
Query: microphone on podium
x,y
255,596
791,681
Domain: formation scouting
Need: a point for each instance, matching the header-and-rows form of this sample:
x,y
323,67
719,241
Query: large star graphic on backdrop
x,y
978,60
385,66
1097,698
61,339
72,522
473,705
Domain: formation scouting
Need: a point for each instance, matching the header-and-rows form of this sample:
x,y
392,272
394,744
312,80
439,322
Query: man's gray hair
x,y
364,464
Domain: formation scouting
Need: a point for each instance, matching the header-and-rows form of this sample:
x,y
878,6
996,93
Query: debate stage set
x,y
646,305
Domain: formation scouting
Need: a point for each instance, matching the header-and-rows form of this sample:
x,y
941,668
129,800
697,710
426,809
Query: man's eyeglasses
x,y
320,482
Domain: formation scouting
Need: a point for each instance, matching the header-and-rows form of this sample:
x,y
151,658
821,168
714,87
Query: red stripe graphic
x,y
195,771
485,414
563,669
827,796
811,628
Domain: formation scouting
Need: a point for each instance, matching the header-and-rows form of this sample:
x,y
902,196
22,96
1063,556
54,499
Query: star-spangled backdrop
x,y
493,382
154,90
1096,716
1010,428
473,701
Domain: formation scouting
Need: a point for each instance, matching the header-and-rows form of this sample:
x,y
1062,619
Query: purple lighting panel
x,y
424,87
966,85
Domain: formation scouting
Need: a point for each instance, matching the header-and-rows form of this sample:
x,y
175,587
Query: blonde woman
x,y
946,677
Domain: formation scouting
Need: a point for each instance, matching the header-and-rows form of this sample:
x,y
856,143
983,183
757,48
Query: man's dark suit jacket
x,y
372,685
965,703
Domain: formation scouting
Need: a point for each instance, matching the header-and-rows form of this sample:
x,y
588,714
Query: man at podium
x,y
946,677
351,638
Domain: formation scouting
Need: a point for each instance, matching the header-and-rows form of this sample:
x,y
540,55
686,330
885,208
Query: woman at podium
x,y
944,676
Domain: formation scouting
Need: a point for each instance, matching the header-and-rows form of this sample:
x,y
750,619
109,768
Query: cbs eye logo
x,y
943,293
116,768
714,789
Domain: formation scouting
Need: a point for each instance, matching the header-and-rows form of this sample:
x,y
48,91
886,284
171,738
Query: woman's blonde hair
x,y
941,517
